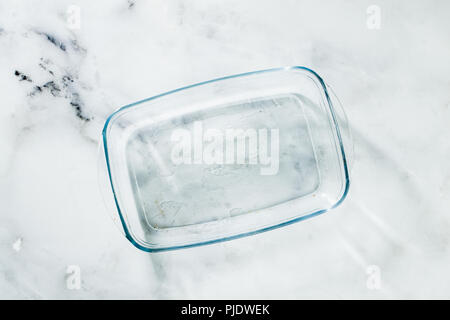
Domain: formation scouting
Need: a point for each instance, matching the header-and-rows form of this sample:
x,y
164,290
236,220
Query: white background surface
x,y
393,82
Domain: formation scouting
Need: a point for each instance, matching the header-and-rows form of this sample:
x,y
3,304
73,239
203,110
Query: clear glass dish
x,y
226,158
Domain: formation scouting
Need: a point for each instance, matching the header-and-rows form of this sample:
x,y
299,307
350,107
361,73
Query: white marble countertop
x,y
61,76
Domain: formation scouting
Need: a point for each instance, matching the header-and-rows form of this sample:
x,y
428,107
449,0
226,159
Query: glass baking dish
x,y
226,158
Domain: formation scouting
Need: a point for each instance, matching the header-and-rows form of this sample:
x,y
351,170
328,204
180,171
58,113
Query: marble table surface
x,y
66,65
